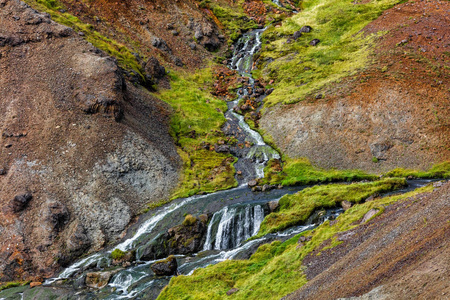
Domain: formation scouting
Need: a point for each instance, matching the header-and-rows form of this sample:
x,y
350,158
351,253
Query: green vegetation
x,y
275,269
299,69
124,55
189,220
196,127
300,171
12,284
441,170
117,254
232,19
295,209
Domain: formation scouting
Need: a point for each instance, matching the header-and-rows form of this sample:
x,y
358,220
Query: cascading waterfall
x,y
231,226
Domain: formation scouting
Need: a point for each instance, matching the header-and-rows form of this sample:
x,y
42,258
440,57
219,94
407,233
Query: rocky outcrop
x,y
186,238
86,149
165,267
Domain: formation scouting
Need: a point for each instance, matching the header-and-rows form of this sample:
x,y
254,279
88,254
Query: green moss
x,y
300,69
441,170
12,284
300,171
117,254
124,55
295,209
276,269
196,125
189,220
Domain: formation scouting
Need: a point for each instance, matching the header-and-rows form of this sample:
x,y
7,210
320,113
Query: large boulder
x,y
165,267
98,280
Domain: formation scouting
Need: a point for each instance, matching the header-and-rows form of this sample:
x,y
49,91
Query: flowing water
x,y
236,214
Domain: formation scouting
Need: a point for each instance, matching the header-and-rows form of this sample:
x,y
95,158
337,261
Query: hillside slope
x,y
394,112
402,254
82,150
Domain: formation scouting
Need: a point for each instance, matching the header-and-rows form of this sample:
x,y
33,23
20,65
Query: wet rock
x,y
269,91
306,29
317,217
372,197
80,282
165,267
21,201
2,172
186,238
252,183
257,188
314,42
371,213
273,205
232,291
346,204
97,280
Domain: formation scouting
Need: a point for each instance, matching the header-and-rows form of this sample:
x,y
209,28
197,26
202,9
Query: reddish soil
x,y
404,252
397,109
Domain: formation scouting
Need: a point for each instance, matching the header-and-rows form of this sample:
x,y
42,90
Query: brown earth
x,y
82,149
397,110
402,254
137,23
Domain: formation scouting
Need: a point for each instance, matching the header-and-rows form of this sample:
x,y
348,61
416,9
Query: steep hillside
x,y
371,96
82,150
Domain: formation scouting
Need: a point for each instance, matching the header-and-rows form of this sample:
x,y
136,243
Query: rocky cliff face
x,y
82,150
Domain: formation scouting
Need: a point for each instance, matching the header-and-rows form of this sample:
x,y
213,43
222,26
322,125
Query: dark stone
x,y
193,46
177,61
269,91
2,172
161,45
174,32
306,29
169,26
59,216
314,42
165,267
21,201
154,69
297,34
319,96
232,291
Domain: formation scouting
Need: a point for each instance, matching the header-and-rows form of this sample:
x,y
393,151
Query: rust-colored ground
x,y
404,252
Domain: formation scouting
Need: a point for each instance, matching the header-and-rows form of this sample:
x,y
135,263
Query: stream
x,y
235,214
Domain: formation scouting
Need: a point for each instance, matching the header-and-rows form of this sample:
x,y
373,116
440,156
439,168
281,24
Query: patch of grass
x,y
124,55
12,284
295,209
299,69
301,171
232,18
275,270
441,170
196,125
117,254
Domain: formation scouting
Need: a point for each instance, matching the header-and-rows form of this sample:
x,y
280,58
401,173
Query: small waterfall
x,y
233,225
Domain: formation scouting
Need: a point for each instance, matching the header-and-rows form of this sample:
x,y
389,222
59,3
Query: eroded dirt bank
x,y
395,112
82,150
401,254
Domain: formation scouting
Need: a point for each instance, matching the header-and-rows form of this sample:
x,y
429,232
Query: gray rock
x,y
273,205
369,215
314,42
346,204
165,267
20,202
232,291
97,280
306,29
222,148
252,183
